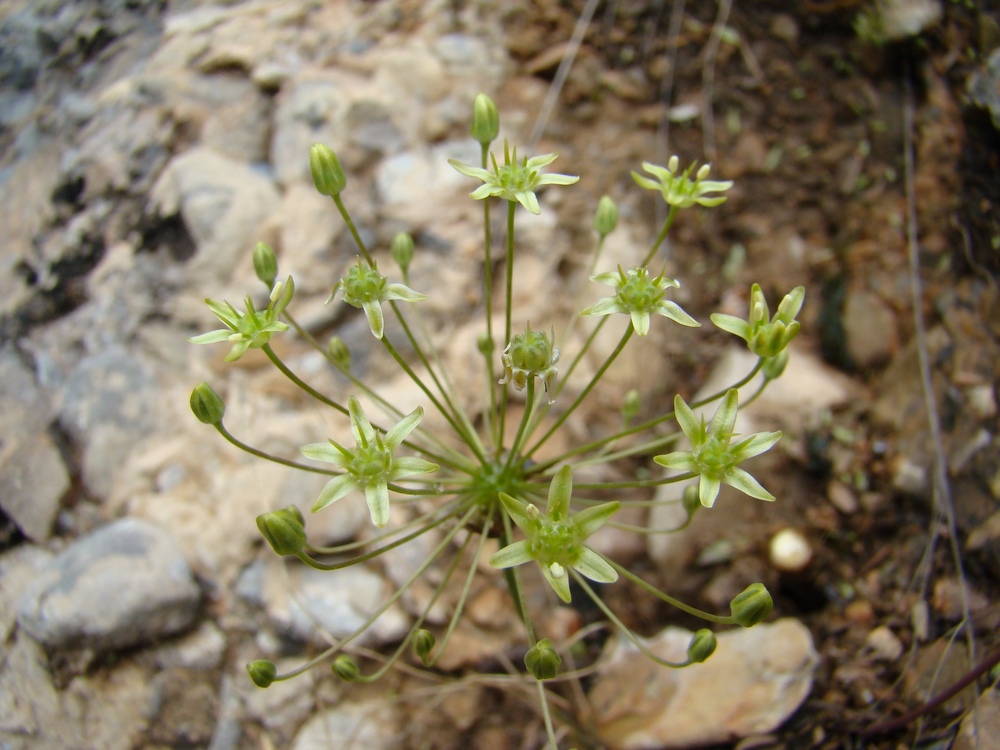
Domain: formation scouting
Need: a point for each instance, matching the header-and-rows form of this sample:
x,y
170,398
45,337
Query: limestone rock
x,y
369,725
753,682
123,585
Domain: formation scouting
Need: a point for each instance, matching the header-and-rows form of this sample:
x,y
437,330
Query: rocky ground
x,y
146,146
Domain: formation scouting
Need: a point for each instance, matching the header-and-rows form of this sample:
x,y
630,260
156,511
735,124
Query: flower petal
x,y
511,555
238,350
557,179
604,306
517,509
595,567
755,444
589,520
693,428
407,466
560,494
470,171
335,489
373,311
725,415
732,324
708,490
212,337
377,495
404,427
640,322
529,200
672,310
361,428
678,460
403,292
329,452
559,584
741,480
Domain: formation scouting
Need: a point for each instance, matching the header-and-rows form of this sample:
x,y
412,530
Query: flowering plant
x,y
480,487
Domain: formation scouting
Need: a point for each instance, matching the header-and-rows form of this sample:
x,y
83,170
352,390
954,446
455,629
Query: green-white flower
x,y
513,180
371,466
637,295
251,329
679,189
530,355
555,539
765,337
364,287
713,455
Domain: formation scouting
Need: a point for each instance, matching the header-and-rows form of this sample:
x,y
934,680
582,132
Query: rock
x,y
884,644
983,87
870,327
753,682
369,725
202,649
221,201
418,185
33,477
18,568
108,403
30,707
123,585
308,604
902,19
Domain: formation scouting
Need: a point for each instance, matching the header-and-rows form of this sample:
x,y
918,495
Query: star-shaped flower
x,y
555,539
513,180
530,355
638,295
679,189
364,287
251,329
713,456
371,466
765,337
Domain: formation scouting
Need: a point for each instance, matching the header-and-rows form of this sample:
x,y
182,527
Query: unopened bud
x,y
284,530
402,250
327,174
630,406
606,217
702,646
690,500
774,366
346,668
262,672
485,120
542,660
752,605
339,352
207,405
485,344
423,644
265,263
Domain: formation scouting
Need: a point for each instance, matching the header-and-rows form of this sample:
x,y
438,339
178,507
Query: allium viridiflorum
x,y
469,486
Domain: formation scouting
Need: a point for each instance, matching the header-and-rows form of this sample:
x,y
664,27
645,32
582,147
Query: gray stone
x,y
33,477
309,111
754,681
368,725
870,327
123,585
221,201
18,568
902,19
307,603
200,650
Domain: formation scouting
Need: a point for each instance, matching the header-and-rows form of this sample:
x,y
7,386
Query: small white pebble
x,y
884,643
790,551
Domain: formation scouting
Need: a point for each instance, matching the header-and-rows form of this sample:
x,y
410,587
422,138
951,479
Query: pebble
x,y
790,551
842,498
756,679
369,725
884,644
124,585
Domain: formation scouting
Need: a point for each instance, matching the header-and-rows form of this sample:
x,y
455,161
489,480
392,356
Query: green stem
x,y
622,627
514,582
669,599
633,484
267,456
491,410
276,361
472,443
507,313
529,407
354,231
583,394
662,236
549,730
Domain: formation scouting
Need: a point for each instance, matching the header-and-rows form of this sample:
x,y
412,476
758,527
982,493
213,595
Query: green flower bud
x,y
542,660
346,668
207,405
423,644
606,217
265,263
752,605
485,345
339,352
262,672
284,530
485,120
529,355
691,500
328,175
774,366
402,250
702,646
630,406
